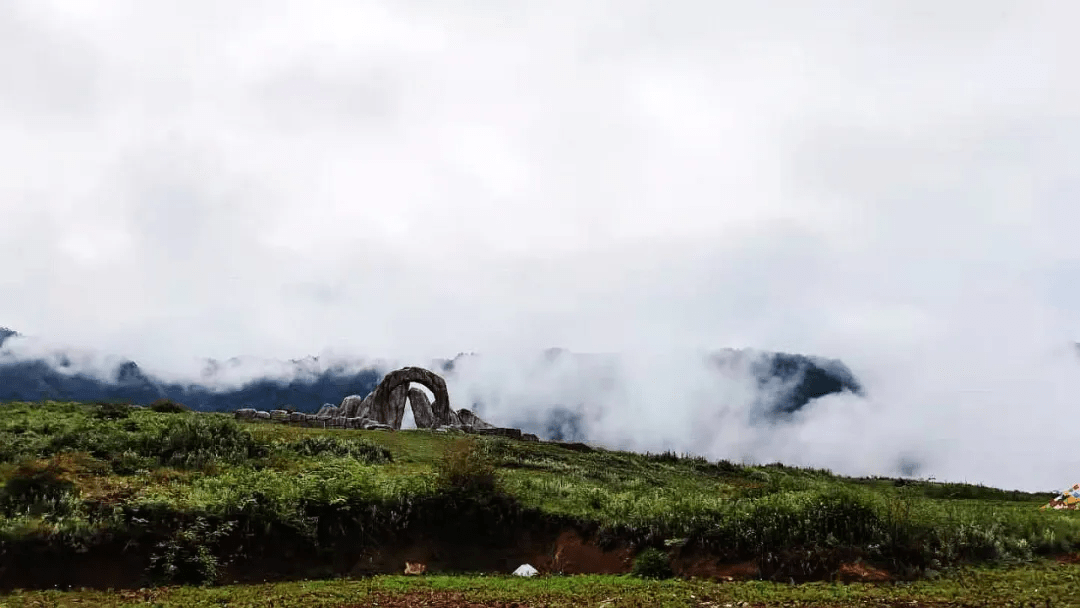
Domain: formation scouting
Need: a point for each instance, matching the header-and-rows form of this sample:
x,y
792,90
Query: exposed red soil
x,y
705,566
431,599
575,555
550,551
858,572
798,564
1070,558
440,556
571,553
568,553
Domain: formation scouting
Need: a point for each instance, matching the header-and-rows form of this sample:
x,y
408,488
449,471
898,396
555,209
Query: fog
x,y
891,185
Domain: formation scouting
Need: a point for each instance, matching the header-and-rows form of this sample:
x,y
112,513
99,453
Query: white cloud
x,y
888,183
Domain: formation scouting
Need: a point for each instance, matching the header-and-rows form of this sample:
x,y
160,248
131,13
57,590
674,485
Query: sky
x,y
891,183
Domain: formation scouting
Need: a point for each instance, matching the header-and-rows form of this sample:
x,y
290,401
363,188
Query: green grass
x,y
1033,584
184,482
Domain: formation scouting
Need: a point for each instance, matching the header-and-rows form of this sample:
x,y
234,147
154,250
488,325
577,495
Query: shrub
x,y
168,406
99,439
200,441
719,468
130,462
668,456
16,445
652,563
38,486
465,468
112,411
189,555
343,448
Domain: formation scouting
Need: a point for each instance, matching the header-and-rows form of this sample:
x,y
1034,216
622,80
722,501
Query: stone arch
x,y
386,404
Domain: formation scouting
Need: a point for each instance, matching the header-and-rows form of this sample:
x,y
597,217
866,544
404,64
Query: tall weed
x,y
464,467
357,449
190,555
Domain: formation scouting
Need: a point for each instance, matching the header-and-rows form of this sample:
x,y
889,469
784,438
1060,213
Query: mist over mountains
x,y
556,394
30,375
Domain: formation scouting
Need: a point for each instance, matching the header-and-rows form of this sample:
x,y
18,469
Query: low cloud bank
x,y
975,423
557,394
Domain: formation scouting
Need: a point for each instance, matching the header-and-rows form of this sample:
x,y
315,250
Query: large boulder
x,y
328,409
351,406
469,419
421,407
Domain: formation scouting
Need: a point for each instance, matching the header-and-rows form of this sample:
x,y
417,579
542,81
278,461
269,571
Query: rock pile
x,y
384,408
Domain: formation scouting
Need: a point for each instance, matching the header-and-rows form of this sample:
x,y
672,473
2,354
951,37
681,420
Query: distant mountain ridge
x,y
33,380
788,383
6,333
796,379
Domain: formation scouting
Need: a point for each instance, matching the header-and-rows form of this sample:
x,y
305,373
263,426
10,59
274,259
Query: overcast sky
x,y
889,183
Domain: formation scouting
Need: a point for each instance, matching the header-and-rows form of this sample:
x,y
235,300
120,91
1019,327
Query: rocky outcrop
x,y
384,409
465,418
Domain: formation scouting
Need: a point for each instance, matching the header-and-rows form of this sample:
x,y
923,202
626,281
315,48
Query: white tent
x,y
526,570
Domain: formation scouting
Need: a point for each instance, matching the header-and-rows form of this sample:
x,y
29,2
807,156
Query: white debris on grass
x,y
526,570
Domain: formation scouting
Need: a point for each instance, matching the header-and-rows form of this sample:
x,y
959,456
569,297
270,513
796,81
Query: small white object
x,y
526,570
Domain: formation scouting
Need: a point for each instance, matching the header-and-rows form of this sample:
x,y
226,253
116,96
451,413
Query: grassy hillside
x,y
196,497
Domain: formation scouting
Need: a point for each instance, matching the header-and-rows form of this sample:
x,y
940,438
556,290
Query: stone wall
x,y
341,422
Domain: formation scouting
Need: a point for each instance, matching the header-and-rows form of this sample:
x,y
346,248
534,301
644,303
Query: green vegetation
x,y
1030,585
203,493
341,447
652,563
466,468
168,406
